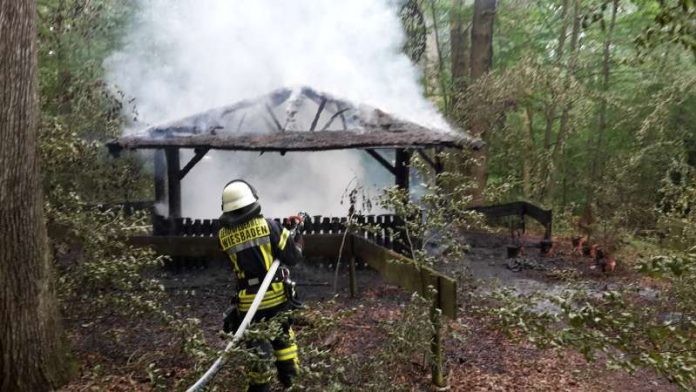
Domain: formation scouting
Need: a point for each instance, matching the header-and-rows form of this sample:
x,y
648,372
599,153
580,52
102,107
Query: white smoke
x,y
180,57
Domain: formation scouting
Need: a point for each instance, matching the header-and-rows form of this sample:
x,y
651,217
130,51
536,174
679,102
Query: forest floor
x,y
135,353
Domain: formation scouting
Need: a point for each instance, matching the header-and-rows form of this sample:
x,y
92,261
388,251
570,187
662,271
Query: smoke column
x,y
180,57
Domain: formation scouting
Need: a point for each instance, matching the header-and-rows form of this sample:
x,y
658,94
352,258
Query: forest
x,y
545,240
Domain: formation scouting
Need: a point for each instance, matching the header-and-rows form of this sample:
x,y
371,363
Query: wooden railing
x,y
520,209
384,230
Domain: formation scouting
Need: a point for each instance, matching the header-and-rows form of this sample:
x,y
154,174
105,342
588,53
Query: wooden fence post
x,y
437,365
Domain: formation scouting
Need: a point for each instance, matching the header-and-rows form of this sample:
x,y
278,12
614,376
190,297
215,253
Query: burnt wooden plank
x,y
336,225
316,224
196,228
325,225
177,226
207,227
186,226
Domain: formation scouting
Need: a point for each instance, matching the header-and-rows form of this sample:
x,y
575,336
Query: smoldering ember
x,y
367,195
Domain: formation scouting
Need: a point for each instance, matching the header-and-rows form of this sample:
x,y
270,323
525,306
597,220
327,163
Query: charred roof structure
x,y
292,120
285,120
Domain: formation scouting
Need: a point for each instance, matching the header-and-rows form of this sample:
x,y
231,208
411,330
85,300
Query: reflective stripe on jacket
x,y
252,246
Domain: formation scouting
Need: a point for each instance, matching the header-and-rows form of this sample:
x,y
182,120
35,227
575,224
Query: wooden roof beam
x,y
435,163
199,154
379,158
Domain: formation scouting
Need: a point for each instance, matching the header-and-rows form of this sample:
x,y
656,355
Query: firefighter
x,y
252,243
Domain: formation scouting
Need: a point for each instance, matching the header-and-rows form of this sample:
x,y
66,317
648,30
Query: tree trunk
x,y
444,90
565,114
459,51
597,160
550,109
606,63
30,334
528,153
481,61
563,33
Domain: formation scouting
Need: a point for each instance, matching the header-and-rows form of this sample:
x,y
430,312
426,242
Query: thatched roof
x,y
293,120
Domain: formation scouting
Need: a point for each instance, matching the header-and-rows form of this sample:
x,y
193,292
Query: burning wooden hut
x,y
284,120
293,120
303,120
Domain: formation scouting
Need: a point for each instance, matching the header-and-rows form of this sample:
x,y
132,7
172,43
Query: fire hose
x,y
240,331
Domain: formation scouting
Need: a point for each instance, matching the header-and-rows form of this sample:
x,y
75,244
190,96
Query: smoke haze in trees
x,y
180,57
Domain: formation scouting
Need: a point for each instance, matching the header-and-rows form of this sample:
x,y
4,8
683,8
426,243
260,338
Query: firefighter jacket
x,y
252,246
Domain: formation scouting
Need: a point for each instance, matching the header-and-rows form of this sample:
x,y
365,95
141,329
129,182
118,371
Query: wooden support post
x,y
160,176
352,276
401,172
439,165
173,182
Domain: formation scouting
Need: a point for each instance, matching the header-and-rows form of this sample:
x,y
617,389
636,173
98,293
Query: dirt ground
x,y
115,353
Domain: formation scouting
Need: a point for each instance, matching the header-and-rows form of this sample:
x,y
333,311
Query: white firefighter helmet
x,y
238,194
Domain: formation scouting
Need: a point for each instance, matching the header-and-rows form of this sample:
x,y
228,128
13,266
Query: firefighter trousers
x,y
284,349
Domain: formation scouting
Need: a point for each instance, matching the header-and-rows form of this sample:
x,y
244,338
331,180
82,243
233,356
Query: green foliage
x,y
679,266
79,112
410,336
629,329
406,339
646,186
618,324
677,222
628,336
544,99
437,218
673,24
99,275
